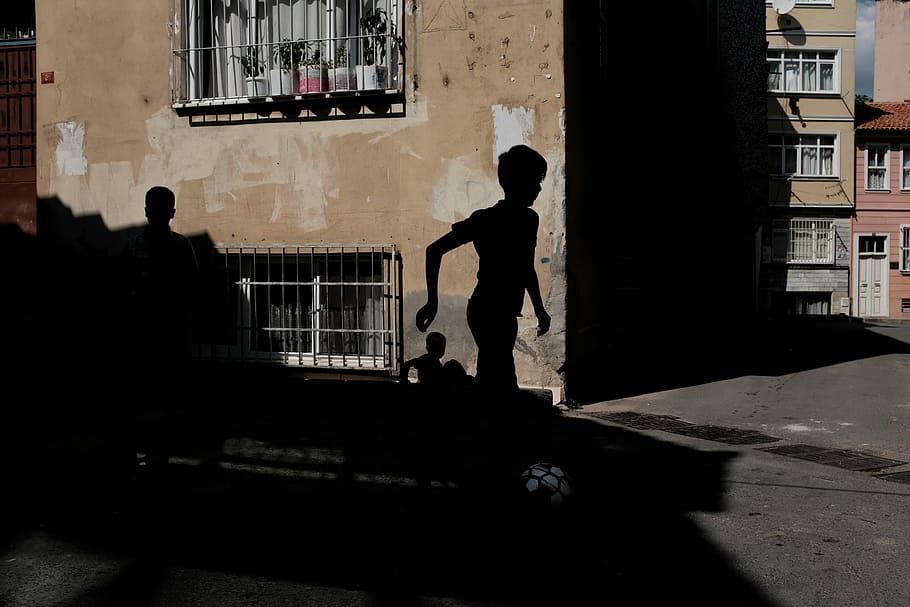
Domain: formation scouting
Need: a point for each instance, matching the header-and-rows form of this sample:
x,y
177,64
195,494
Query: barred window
x,y
808,241
312,306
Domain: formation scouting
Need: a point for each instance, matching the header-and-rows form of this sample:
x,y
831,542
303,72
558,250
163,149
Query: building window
x,y
905,249
792,71
877,167
802,155
808,3
316,306
905,167
236,50
803,241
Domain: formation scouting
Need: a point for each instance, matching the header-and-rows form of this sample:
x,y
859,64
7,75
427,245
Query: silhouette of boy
x,y
429,365
505,237
162,269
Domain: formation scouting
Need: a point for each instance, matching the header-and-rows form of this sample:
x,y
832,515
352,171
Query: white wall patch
x,y
511,126
70,153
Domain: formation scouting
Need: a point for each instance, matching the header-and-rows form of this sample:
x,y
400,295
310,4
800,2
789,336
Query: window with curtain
x,y
905,249
876,167
239,49
802,155
905,167
803,71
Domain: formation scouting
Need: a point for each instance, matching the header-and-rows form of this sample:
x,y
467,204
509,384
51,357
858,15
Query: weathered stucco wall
x,y
487,77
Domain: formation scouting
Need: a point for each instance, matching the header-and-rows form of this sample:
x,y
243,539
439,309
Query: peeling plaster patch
x,y
113,191
410,152
511,127
457,193
312,219
71,149
309,193
276,209
183,161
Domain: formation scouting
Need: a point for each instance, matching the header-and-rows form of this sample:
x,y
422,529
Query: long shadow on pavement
x,y
381,488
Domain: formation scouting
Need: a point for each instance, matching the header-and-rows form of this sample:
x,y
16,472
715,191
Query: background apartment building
x,y
805,246
881,227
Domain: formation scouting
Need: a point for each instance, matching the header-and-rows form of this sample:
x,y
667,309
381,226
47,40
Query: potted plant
x,y
380,37
254,71
313,72
288,55
341,76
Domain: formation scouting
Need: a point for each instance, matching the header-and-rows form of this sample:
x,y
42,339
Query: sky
x,y
865,38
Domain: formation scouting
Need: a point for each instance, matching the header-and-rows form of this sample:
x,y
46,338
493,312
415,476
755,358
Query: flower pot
x,y
342,79
257,87
313,80
283,82
371,77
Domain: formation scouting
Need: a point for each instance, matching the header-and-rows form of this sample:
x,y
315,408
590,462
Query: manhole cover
x,y
839,458
643,421
730,436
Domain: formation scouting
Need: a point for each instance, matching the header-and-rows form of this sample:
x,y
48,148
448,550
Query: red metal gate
x,y
17,136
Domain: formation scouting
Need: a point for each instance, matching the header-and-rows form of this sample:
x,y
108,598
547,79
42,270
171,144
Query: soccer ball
x,y
546,484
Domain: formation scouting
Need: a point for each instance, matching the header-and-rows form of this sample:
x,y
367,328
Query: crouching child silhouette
x,y
431,371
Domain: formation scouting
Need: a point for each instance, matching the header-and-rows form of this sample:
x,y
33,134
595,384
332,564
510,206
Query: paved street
x,y
361,494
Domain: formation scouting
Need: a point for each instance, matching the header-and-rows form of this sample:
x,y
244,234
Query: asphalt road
x,y
354,495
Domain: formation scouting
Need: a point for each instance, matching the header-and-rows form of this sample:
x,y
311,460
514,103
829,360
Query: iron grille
x,y
328,306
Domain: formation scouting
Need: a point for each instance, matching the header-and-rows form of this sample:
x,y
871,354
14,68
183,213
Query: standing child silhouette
x,y
505,237
163,271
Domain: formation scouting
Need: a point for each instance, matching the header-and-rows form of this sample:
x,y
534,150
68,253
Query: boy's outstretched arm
x,y
435,251
533,287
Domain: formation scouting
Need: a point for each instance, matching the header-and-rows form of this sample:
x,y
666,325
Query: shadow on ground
x,y
378,487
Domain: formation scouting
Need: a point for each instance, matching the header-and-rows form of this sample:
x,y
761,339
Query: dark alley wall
x,y
666,182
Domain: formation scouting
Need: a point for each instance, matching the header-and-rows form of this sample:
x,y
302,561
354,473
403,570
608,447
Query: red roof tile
x,y
883,117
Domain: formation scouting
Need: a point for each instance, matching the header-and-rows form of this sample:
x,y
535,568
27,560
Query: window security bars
x,y
802,155
877,167
804,71
233,51
17,107
804,241
333,306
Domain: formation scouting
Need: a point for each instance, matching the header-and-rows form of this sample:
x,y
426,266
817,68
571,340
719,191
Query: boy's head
x,y
160,205
521,171
436,344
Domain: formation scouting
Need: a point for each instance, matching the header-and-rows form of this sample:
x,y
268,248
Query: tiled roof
x,y
883,116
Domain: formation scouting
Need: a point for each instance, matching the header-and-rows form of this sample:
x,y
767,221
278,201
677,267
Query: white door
x,y
872,274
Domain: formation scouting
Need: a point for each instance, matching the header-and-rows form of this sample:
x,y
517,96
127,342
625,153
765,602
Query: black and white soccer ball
x,y
546,484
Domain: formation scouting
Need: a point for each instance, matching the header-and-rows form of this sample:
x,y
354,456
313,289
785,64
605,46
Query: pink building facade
x,y
880,265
